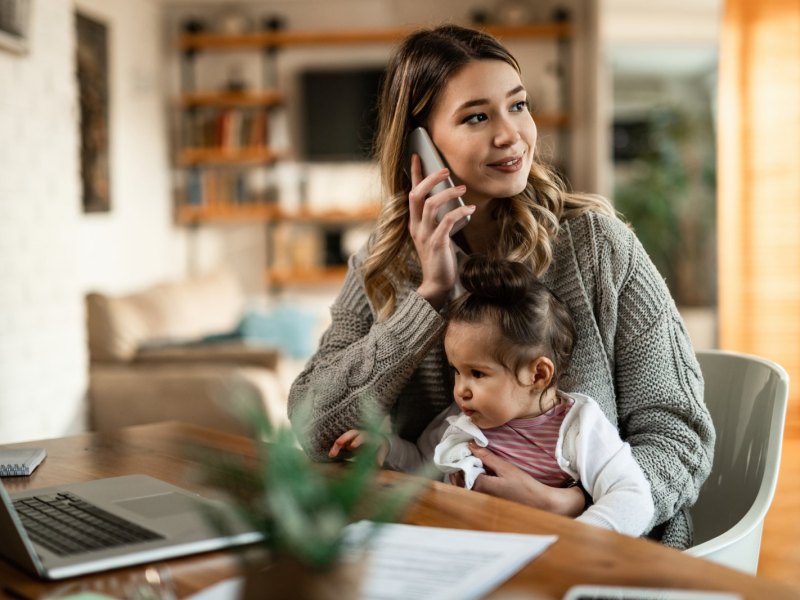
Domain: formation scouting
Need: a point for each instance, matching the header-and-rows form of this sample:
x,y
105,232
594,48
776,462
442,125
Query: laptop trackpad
x,y
160,505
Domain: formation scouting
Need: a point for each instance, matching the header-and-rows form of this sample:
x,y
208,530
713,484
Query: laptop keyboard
x,y
66,524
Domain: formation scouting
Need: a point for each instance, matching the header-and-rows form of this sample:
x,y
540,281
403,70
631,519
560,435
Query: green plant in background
x,y
667,195
303,508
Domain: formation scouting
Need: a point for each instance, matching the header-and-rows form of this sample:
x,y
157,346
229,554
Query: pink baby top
x,y
530,444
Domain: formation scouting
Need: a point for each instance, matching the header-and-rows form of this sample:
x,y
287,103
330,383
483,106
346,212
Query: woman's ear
x,y
541,372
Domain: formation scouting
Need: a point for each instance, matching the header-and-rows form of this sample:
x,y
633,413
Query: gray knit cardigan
x,y
632,355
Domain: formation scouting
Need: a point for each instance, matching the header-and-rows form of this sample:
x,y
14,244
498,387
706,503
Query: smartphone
x,y
612,592
420,143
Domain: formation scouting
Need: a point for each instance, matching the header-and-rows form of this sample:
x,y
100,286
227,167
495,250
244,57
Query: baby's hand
x,y
349,440
510,482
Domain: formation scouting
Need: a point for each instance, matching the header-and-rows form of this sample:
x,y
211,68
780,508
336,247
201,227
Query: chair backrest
x,y
746,397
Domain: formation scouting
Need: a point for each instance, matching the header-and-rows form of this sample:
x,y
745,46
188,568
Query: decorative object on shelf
x,y
479,16
561,14
233,21
274,23
513,12
236,81
548,92
92,62
304,509
193,25
14,25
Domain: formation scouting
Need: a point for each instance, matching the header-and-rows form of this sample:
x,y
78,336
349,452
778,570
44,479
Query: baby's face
x,y
484,389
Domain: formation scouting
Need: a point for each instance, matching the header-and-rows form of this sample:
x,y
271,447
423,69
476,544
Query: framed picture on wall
x,y
92,62
14,25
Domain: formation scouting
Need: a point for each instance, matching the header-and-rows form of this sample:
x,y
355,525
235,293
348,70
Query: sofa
x,y
170,352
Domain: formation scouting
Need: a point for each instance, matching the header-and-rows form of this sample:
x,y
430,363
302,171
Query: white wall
x,y
50,252
136,243
42,340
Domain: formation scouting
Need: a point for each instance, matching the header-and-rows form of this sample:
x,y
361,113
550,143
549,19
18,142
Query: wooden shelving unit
x,y
227,156
224,212
258,98
305,276
552,119
273,214
338,37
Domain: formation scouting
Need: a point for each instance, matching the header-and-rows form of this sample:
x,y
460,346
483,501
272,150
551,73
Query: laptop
x,y
124,521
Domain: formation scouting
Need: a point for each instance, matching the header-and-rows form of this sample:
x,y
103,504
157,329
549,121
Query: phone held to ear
x,y
420,143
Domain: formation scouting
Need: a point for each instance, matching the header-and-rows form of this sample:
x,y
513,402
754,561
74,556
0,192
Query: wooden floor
x,y
780,545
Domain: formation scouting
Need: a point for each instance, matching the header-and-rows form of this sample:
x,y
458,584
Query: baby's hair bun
x,y
497,280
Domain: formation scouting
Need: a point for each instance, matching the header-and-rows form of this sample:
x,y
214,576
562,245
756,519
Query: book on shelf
x,y
226,128
209,187
20,461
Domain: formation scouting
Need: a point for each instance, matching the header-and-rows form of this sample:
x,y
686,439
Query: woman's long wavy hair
x,y
417,73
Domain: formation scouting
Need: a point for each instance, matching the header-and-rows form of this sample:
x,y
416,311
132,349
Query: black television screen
x,y
631,139
339,113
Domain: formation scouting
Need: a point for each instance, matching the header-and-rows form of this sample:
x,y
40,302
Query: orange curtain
x,y
759,181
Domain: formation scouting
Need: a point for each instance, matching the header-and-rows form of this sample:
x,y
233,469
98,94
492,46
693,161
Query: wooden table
x,y
582,554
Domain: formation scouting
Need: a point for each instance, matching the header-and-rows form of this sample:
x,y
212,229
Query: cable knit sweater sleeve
x,y
359,362
659,386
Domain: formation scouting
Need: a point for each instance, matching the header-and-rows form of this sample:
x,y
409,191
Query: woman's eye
x,y
520,106
476,118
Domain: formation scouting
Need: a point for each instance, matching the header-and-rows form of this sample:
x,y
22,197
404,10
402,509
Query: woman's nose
x,y
506,132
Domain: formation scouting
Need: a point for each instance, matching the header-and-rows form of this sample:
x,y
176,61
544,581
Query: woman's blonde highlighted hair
x,y
417,73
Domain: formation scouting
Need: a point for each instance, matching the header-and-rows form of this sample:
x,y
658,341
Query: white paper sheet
x,y
408,562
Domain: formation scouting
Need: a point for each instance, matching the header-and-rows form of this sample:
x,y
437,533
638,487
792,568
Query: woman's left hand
x,y
513,483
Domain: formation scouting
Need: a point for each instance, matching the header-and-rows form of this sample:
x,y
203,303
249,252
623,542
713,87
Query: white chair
x,y
747,397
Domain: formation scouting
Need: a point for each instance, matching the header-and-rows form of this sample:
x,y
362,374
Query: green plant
x,y
303,508
667,194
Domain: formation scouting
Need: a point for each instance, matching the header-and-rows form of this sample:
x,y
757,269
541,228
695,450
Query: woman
x,y
384,346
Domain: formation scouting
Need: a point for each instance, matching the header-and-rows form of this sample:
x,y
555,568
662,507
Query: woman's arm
x,y
359,364
661,412
402,455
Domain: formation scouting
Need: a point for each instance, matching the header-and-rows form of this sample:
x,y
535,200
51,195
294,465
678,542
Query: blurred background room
x,y
179,176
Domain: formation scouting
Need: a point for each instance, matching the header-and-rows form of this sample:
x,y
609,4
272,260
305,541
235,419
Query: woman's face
x,y
484,130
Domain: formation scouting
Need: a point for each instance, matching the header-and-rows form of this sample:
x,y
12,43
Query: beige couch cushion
x,y
203,394
165,313
218,353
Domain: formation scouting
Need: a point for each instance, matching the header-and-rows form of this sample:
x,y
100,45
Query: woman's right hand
x,y
432,238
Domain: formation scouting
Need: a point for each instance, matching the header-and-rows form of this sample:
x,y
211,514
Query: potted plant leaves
x,y
305,511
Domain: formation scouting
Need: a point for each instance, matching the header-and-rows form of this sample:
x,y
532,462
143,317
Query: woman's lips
x,y
508,165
